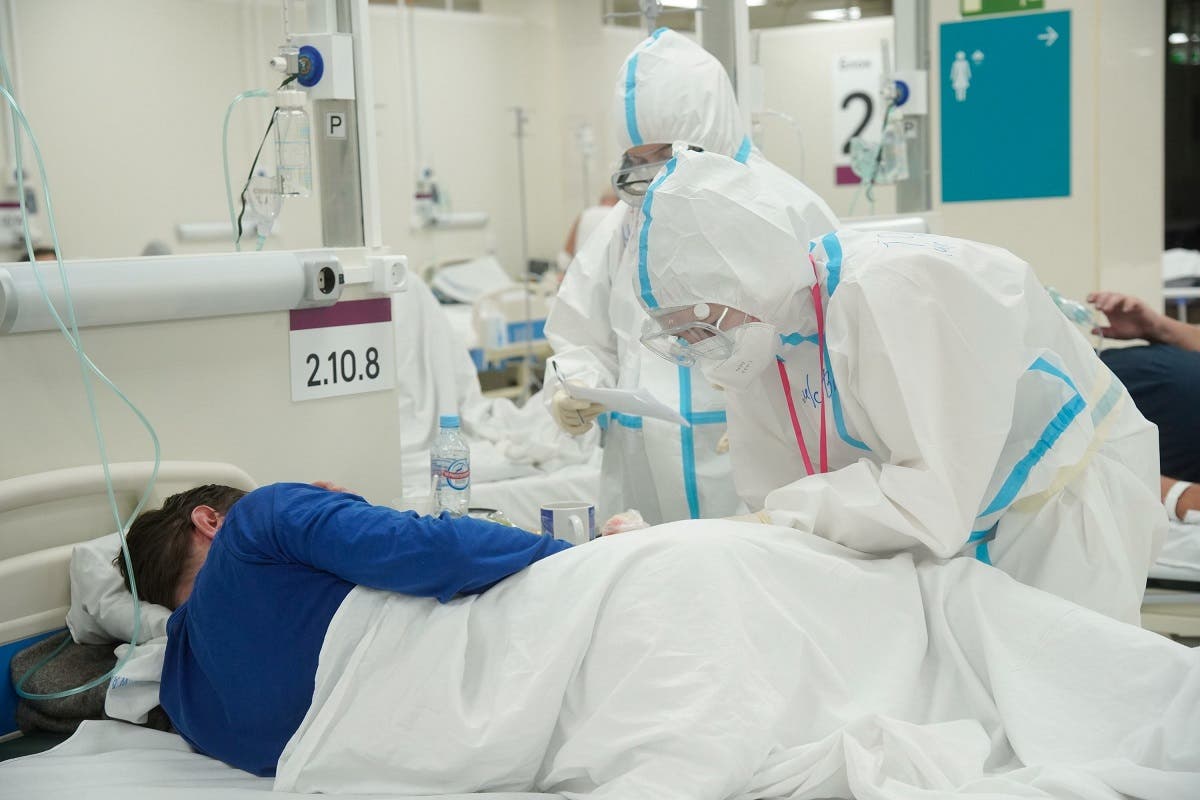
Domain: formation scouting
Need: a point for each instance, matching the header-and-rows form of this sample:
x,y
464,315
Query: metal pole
x,y
650,10
338,160
519,113
912,52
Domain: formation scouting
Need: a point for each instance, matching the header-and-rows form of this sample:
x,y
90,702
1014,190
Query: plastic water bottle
x,y
450,469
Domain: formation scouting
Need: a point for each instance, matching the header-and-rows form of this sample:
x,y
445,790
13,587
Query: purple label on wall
x,y
347,312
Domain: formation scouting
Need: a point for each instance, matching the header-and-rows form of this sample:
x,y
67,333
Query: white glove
x,y
723,444
573,415
630,520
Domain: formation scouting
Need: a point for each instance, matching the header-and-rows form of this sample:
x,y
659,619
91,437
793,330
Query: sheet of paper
x,y
638,402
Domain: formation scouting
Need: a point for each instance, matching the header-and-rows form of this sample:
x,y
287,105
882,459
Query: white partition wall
x,y
215,389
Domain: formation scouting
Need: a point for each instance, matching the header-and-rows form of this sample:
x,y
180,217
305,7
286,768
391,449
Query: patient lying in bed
x,y
255,579
702,659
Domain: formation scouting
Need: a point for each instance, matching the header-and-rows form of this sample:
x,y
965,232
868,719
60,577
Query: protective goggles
x,y
690,333
631,181
633,176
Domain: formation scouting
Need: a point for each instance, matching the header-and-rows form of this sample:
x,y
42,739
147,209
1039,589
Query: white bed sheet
x,y
459,315
117,761
1180,556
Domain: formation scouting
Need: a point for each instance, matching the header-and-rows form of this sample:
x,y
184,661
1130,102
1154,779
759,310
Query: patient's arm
x,y
1131,318
1187,501
400,551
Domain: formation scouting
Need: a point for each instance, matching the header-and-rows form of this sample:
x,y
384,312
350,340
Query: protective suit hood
x,y
671,89
713,232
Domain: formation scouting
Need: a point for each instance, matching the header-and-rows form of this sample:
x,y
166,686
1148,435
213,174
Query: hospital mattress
x,y
117,761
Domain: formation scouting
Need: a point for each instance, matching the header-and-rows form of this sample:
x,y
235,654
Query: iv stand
x,y
522,119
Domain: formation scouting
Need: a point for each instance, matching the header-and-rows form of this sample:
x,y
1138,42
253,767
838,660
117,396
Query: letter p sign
x,y
335,125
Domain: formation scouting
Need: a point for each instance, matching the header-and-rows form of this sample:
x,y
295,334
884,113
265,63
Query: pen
x,y
563,383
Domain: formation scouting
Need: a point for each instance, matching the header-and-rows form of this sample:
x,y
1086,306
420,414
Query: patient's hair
x,y
159,541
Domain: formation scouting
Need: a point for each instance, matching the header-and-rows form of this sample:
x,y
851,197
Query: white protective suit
x,y
669,89
963,413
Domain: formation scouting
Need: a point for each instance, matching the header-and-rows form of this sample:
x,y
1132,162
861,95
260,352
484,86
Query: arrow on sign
x,y
1049,37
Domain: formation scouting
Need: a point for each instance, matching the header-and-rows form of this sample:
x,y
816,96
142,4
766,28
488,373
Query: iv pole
x,y
527,372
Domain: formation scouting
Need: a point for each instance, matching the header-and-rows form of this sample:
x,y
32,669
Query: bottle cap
x,y
290,98
448,421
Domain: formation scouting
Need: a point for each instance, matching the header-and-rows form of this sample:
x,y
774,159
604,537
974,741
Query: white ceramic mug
x,y
572,520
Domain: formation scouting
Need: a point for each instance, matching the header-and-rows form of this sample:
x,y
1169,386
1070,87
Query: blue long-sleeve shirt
x,y
241,657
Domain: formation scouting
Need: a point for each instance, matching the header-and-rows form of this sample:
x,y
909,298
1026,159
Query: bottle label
x,y
455,473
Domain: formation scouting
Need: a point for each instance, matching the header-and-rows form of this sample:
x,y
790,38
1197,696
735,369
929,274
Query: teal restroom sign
x,y
1006,107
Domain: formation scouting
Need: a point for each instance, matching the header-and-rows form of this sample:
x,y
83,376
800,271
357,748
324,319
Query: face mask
x,y
753,349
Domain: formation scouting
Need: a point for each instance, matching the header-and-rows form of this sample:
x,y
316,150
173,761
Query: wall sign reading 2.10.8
x,y
344,365
343,349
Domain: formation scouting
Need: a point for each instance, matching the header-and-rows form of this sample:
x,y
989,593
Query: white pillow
x,y
133,692
101,607
470,280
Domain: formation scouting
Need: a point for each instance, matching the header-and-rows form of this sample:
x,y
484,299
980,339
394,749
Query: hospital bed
x,y
41,516
1181,280
494,316
1172,602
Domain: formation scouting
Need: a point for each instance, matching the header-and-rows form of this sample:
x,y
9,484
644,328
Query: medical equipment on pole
x,y
293,144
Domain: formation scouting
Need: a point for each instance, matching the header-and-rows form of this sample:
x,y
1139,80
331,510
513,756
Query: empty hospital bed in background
x,y
501,321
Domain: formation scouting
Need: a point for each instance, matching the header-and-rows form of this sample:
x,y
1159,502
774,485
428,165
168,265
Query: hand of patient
x,y
1128,317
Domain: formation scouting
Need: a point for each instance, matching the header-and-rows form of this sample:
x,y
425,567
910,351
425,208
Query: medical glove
x,y
573,415
624,522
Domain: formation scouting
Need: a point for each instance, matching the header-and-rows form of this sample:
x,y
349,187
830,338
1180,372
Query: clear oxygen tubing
x,y
868,183
237,242
70,330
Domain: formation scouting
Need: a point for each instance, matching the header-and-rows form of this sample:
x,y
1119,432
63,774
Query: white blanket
x,y
1180,556
714,659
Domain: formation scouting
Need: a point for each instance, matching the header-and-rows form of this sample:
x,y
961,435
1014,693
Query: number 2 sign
x,y
856,107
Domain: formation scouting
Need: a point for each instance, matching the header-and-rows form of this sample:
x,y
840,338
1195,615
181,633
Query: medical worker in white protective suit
x,y
894,391
669,89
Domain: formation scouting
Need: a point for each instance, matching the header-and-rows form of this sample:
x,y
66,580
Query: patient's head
x,y
167,546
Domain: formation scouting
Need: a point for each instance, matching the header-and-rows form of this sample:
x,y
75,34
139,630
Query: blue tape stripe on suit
x,y
687,439
644,237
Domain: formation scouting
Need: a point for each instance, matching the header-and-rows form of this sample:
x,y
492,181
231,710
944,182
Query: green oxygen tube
x,y
70,330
